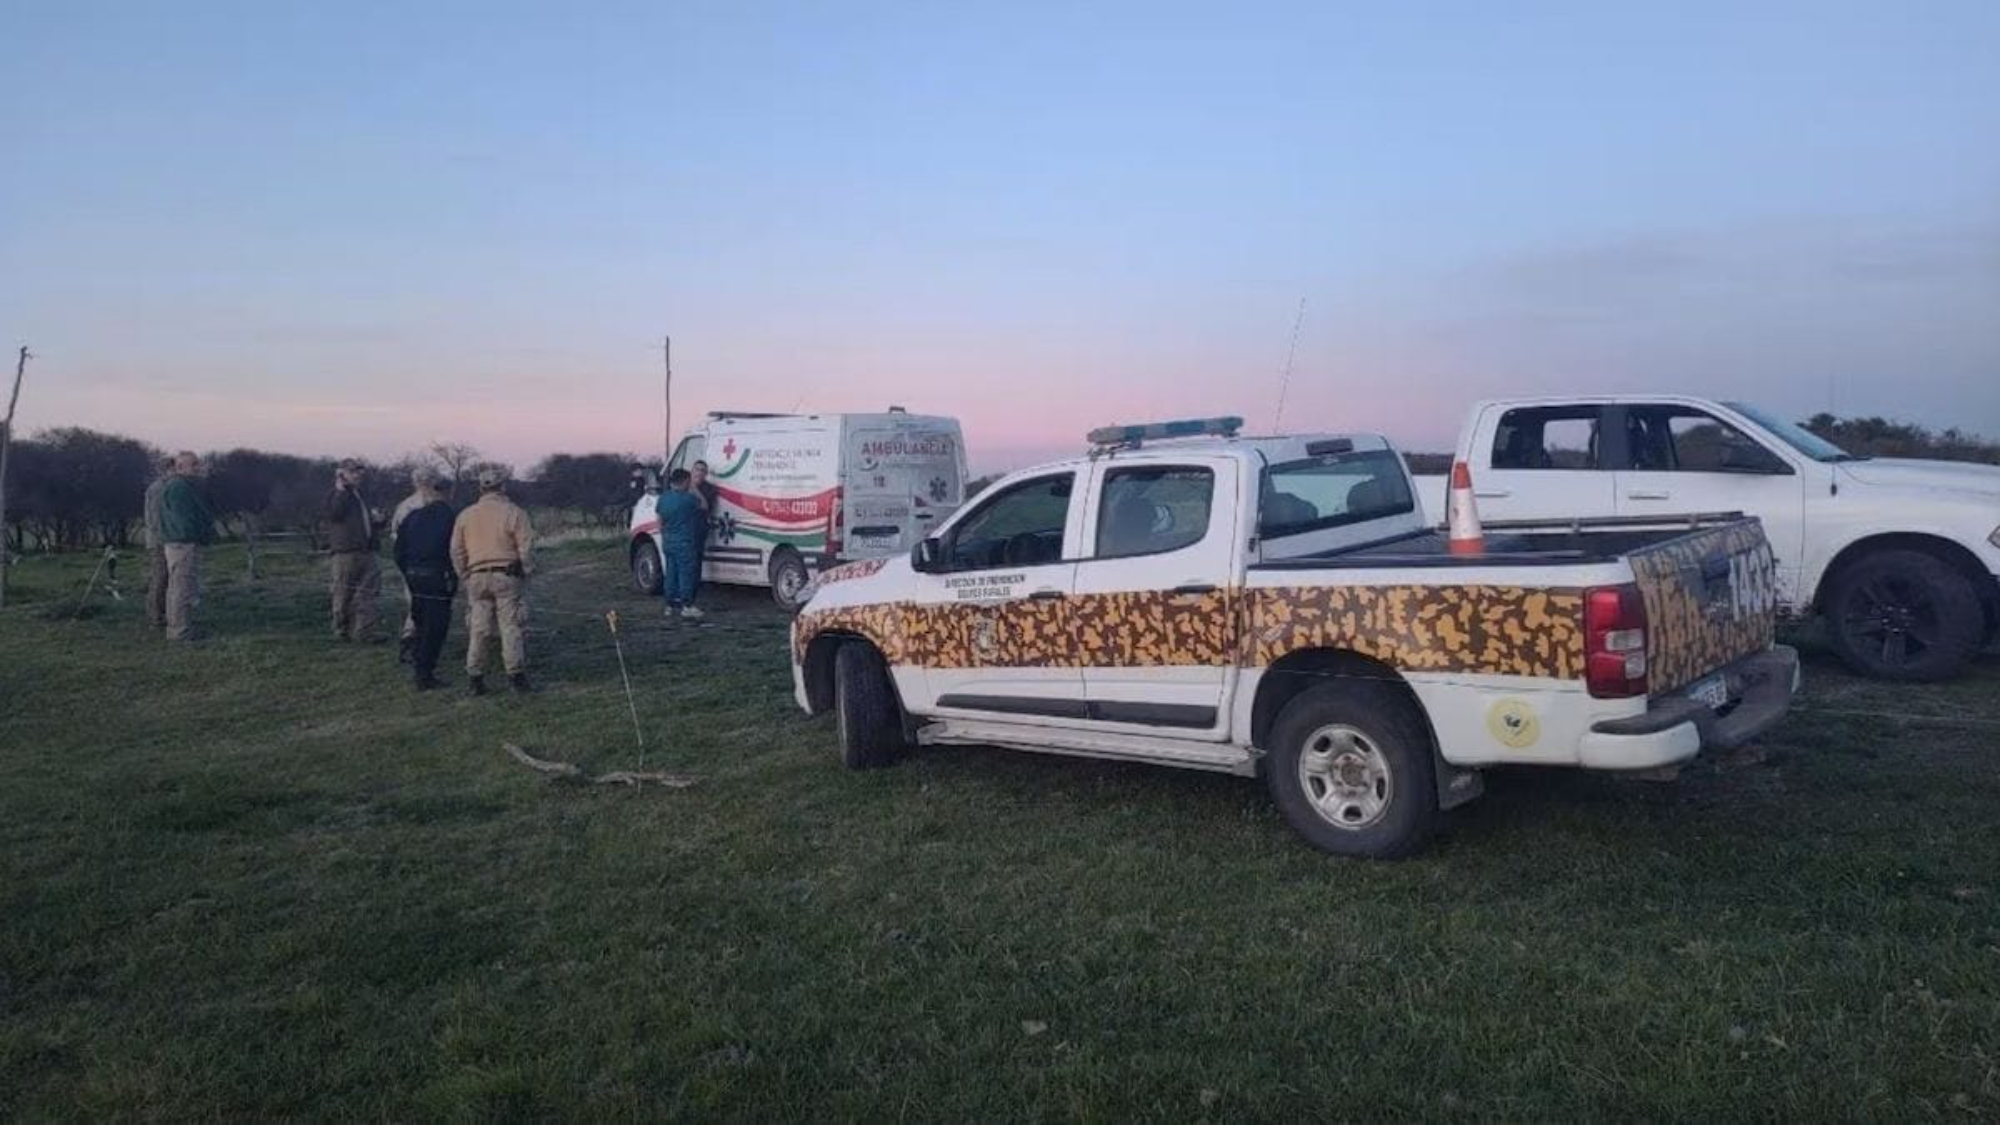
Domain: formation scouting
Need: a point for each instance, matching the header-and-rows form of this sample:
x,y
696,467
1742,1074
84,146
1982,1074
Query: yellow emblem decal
x,y
1513,724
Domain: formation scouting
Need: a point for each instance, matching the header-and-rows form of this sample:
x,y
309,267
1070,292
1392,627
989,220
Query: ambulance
x,y
797,494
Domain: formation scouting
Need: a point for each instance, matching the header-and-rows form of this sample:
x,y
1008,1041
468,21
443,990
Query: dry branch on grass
x,y
615,777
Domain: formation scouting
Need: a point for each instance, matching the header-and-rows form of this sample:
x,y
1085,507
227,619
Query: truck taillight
x,y
836,524
1614,642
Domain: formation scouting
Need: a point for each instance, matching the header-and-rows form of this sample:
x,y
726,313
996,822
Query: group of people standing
x,y
486,550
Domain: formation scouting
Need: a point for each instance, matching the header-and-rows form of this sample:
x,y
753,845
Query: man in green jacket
x,y
352,530
185,528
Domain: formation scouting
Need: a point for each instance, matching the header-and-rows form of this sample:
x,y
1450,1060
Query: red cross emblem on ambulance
x,y
729,450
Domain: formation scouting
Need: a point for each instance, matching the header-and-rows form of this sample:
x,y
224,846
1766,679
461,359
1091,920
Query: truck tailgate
x,y
1710,599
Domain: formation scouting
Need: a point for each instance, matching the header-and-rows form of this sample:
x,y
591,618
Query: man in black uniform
x,y
423,554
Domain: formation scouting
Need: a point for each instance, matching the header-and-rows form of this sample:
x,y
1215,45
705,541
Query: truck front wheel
x,y
646,569
1349,766
865,708
1904,615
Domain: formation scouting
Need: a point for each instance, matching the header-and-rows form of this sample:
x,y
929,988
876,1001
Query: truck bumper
x,y
1674,728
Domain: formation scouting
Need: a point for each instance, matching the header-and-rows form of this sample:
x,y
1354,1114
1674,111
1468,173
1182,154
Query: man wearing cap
x,y
423,491
492,550
351,534
423,554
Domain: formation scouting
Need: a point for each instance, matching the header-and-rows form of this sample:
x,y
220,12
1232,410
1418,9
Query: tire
x,y
1904,615
788,579
869,718
647,573
1371,736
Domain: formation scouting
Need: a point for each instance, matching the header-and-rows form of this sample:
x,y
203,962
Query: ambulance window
x,y
685,454
1022,526
1150,511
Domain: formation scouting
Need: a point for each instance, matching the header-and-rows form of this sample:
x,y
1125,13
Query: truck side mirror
x,y
927,556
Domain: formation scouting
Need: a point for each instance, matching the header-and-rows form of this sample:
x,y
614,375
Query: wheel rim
x,y
647,571
791,580
1892,620
1345,777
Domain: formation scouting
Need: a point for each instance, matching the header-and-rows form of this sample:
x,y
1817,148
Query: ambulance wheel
x,y
646,569
788,579
1349,767
865,708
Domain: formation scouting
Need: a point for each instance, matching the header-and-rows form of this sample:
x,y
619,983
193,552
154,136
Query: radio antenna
x,y
1285,383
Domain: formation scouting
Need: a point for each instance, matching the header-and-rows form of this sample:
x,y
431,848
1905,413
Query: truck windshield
x,y
1794,435
1322,492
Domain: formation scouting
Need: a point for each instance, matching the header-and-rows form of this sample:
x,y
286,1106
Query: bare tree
x,y
456,457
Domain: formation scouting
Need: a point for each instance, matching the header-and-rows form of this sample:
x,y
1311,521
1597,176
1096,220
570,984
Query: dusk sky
x,y
356,228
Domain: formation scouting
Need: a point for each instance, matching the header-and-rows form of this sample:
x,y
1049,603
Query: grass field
x,y
259,877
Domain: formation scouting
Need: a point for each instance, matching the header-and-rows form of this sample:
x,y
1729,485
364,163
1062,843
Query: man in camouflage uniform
x,y
492,550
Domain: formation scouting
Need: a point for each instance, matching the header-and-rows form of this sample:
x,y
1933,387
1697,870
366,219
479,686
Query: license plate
x,y
1713,691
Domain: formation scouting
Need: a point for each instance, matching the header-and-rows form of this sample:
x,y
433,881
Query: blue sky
x,y
356,228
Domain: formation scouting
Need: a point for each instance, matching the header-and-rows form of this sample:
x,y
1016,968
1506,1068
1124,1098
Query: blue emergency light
x,y
1157,431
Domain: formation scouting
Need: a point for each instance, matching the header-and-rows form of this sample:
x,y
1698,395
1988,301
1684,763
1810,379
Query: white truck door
x,y
1001,593
1154,584
1681,459
1539,462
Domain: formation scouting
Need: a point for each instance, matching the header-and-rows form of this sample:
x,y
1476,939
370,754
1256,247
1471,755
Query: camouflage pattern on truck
x,y
1711,598
1500,630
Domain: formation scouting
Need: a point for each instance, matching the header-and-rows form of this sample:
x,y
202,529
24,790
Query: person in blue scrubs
x,y
683,527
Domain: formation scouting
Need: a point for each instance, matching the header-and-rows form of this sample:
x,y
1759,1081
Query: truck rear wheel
x,y
646,569
1904,615
788,579
869,718
1349,766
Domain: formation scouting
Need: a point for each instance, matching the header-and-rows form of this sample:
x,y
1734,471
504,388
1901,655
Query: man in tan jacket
x,y
492,549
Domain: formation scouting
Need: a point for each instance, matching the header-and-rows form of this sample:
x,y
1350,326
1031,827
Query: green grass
x,y
259,877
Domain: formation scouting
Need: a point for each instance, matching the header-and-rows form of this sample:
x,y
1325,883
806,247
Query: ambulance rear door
x,y
904,475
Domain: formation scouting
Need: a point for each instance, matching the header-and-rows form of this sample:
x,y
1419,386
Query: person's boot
x,y
426,681
476,684
519,682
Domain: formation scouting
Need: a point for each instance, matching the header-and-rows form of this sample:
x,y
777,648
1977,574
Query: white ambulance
x,y
796,494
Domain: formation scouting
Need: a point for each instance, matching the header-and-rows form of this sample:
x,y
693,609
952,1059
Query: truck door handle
x,y
1649,494
1194,588
1046,596
1491,493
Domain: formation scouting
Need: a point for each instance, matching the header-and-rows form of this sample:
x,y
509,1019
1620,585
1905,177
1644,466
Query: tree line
x,y
72,488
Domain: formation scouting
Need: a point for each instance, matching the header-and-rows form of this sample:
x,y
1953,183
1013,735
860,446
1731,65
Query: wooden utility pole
x,y
667,404
6,444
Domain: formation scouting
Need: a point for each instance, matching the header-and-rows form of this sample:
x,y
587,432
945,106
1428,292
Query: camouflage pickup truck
x,y
1278,607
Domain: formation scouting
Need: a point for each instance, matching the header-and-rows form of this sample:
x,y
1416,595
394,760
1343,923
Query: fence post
x,y
6,444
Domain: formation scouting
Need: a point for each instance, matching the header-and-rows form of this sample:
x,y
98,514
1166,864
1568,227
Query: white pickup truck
x,y
1279,605
1899,556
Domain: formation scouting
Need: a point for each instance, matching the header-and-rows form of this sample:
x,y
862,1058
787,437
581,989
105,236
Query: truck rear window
x,y
1322,492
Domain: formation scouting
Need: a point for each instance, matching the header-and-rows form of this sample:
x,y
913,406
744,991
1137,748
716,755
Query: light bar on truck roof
x,y
1157,431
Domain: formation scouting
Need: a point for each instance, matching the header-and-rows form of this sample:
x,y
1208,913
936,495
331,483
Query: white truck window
x,y
1021,526
1150,511
1684,439
1547,437
1322,492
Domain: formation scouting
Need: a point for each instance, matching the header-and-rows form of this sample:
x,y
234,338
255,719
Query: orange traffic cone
x,y
1462,533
